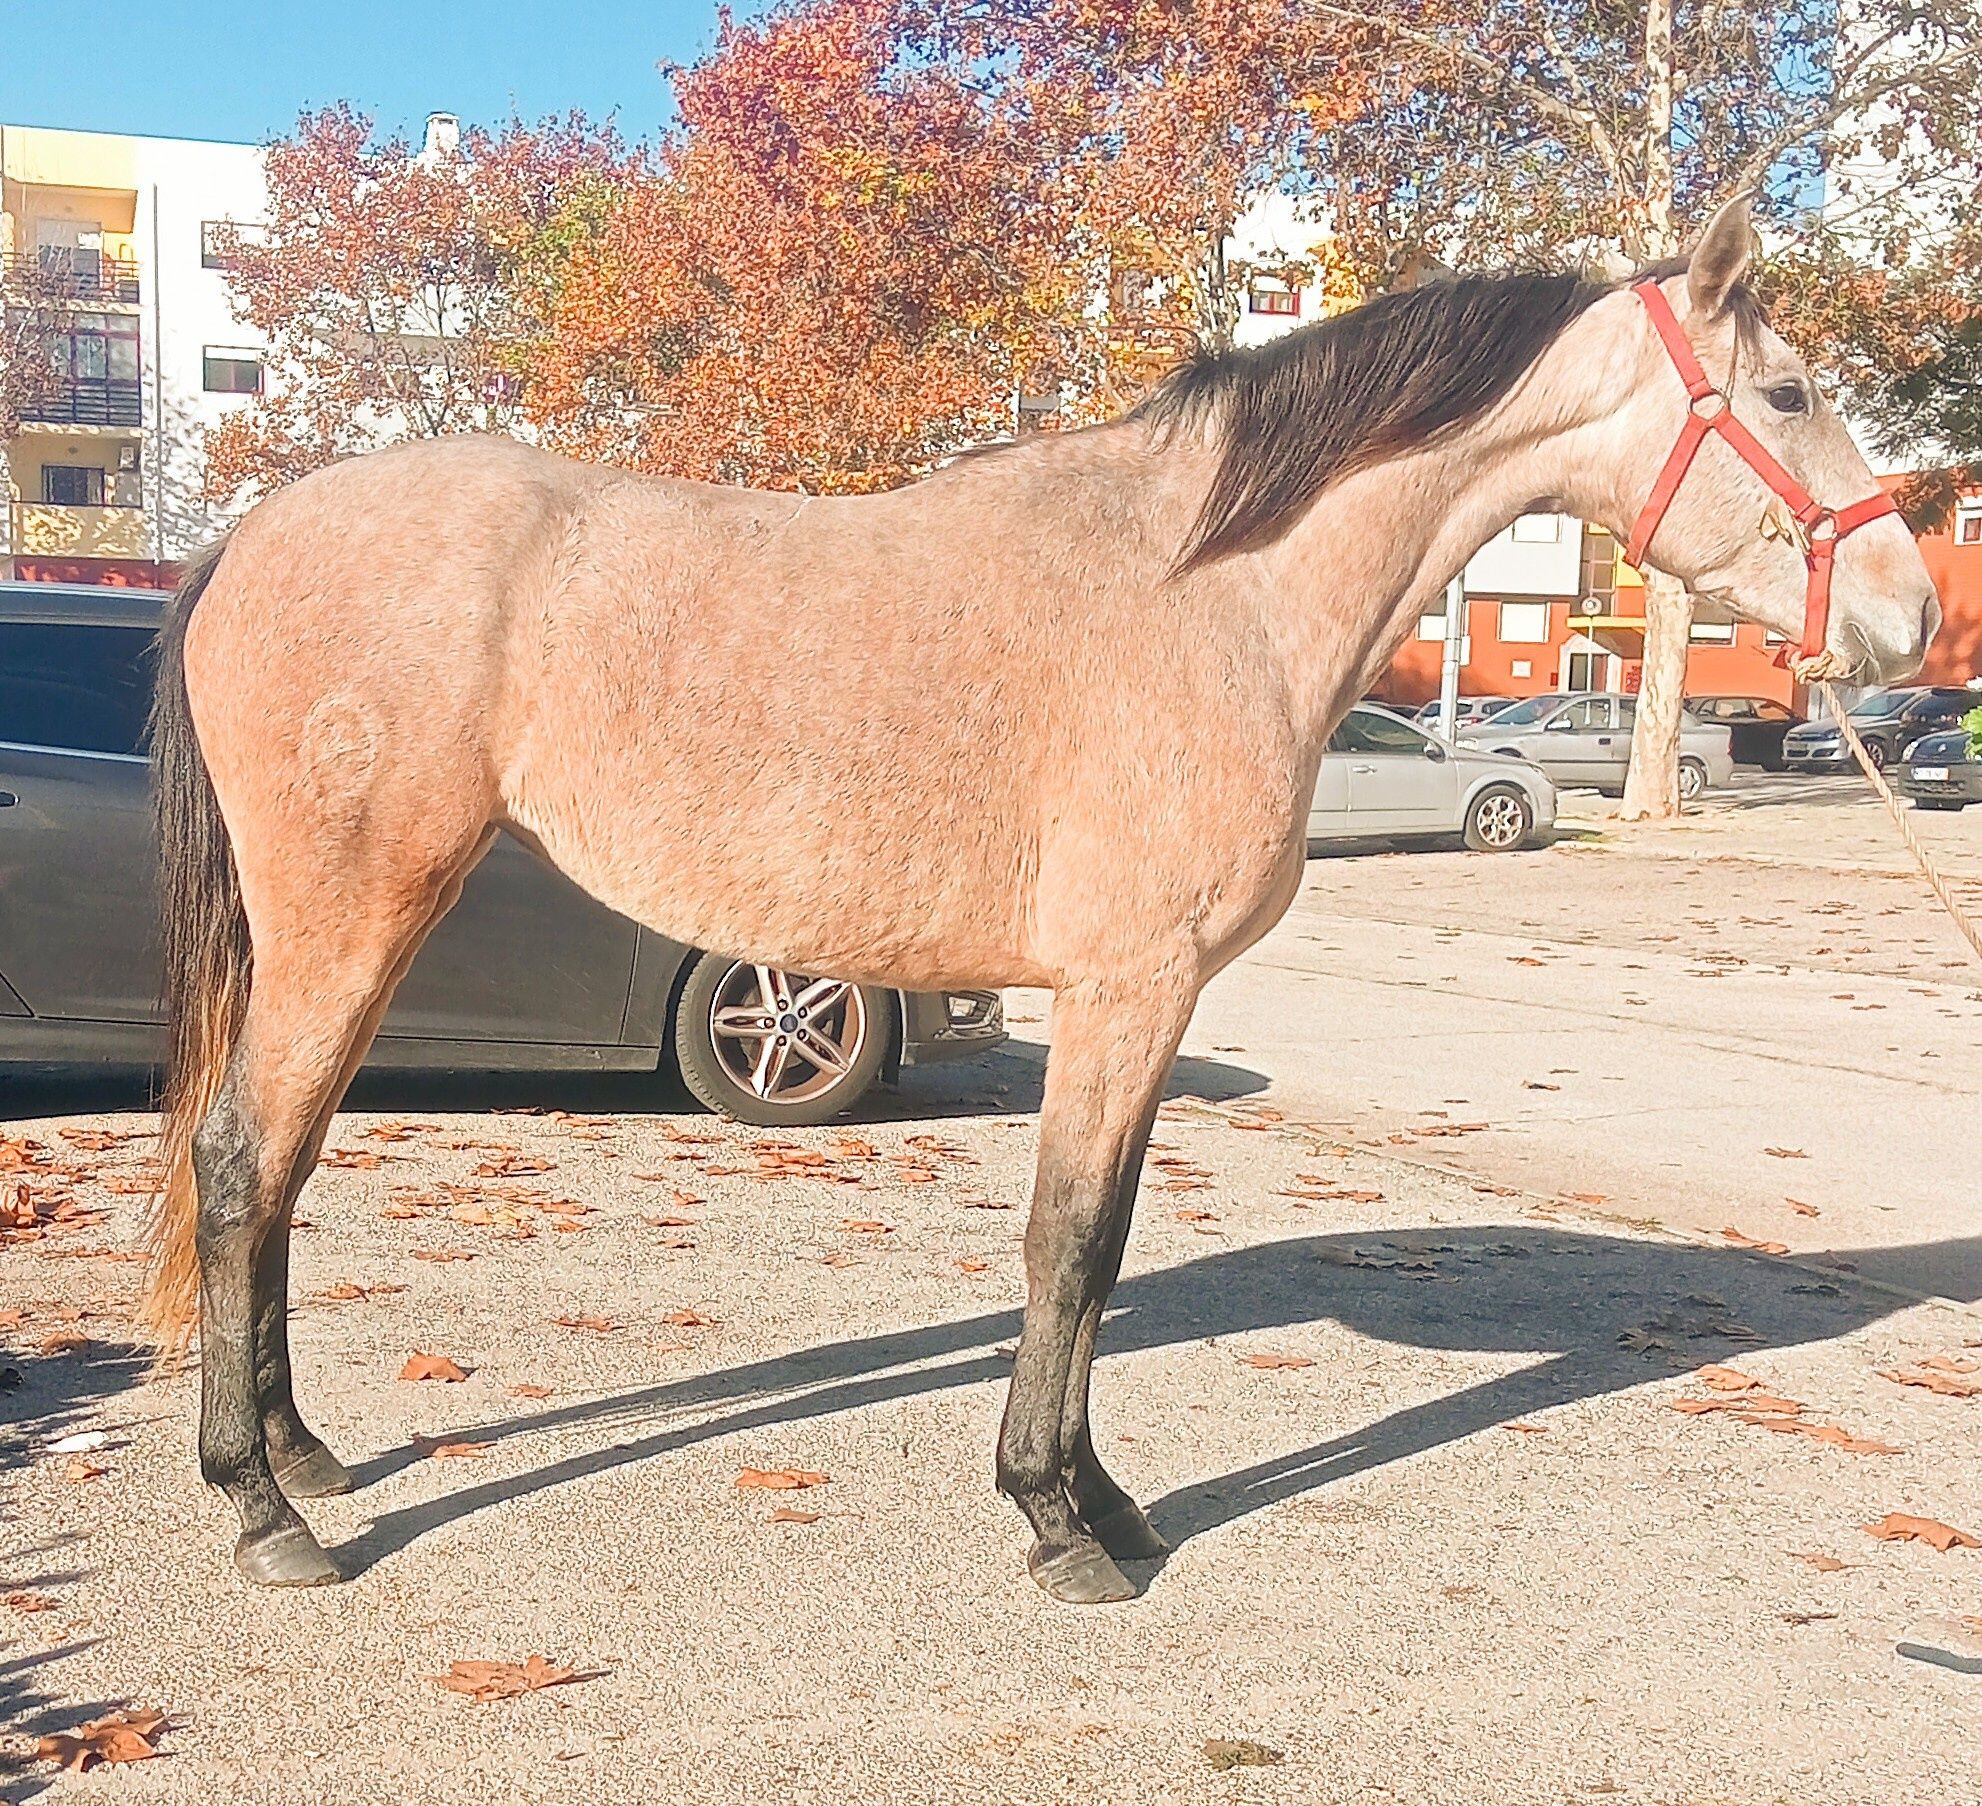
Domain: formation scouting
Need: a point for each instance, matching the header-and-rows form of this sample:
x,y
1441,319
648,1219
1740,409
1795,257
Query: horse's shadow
x,y
1603,1312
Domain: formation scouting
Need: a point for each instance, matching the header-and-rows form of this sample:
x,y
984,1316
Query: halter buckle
x,y
1709,405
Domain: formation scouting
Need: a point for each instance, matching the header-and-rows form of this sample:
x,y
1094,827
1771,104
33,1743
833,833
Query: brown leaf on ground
x,y
450,1451
866,1226
686,1319
601,1326
528,1389
1727,1379
1948,1385
851,1147
777,1479
1951,1364
432,1367
1748,1241
1787,1153
1831,1435
80,1468
1525,1429
1802,1209
1902,1527
1243,1752
915,1175
509,1166
1274,1362
1755,1405
966,1265
96,1141
116,1737
28,1602
359,1159
486,1681
441,1254
1824,1564
786,1515
1525,959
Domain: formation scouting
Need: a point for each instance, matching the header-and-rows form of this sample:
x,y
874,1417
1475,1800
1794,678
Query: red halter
x,y
1817,528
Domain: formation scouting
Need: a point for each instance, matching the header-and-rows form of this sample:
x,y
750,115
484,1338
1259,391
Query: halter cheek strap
x,y
1817,529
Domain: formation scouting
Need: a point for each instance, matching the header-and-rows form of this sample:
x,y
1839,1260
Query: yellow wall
x,y
48,174
27,454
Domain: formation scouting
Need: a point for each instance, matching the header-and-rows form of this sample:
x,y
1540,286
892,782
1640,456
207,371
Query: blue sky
x,y
228,69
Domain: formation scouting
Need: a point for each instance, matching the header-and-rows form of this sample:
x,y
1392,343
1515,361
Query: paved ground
x,y
1449,1544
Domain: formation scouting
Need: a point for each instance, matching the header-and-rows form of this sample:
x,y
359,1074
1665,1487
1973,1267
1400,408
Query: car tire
x,y
1875,751
722,1025
1692,780
1498,820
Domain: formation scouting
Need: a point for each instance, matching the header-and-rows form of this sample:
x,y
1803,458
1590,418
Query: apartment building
x,y
111,241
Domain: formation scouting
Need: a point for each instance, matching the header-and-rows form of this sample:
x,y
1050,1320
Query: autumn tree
x,y
1528,131
398,290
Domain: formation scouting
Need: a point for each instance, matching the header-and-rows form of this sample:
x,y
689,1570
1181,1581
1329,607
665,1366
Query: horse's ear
x,y
1720,259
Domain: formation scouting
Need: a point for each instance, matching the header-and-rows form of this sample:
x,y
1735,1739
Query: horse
x,y
1050,716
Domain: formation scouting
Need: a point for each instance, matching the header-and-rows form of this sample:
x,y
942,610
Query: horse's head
x,y
1776,513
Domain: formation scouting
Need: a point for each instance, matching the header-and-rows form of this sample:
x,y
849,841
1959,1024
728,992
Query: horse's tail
x,y
203,935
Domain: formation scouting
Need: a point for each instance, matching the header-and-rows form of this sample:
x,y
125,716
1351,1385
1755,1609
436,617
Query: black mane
x,y
1328,399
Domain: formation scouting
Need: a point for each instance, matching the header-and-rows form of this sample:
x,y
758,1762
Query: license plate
x,y
1931,774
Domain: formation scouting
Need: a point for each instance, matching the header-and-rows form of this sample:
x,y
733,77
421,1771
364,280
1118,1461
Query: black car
x,y
525,972
1888,721
1756,726
1942,772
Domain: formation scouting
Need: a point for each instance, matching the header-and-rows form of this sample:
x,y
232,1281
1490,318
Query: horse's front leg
x,y
1112,1048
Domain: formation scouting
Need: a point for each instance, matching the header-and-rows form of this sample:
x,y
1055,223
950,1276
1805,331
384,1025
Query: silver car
x,y
1382,778
1468,710
1584,742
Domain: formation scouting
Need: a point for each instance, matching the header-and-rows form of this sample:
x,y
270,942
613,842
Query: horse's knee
x,y
226,1152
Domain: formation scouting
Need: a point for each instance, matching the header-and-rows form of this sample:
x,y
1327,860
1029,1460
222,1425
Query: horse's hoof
x,y
317,1475
285,1557
1083,1575
1129,1536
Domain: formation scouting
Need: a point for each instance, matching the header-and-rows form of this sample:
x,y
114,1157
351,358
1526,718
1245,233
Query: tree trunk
x,y
1651,785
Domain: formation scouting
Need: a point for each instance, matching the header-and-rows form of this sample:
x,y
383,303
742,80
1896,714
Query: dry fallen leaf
x,y
432,1367
116,1737
1948,1385
777,1479
485,1681
1727,1379
1273,1362
966,1265
1787,1153
1526,1429
1748,1241
80,1467
1824,1564
598,1325
451,1451
28,1602
1802,1209
785,1514
1901,1527
529,1391
689,1320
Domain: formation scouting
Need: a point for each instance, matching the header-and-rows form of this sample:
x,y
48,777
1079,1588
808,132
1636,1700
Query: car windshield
x,y
1526,714
1880,707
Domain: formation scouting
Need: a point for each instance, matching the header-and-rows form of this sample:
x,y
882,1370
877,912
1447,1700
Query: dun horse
x,y
1049,717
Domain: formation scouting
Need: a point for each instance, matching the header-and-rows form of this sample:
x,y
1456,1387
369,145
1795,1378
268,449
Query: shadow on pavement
x,y
1603,1314
1004,1082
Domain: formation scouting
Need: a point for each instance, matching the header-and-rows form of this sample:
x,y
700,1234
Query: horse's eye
x,y
1789,398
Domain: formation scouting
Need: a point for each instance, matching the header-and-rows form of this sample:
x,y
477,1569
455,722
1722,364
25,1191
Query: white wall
x,y
182,182
1523,560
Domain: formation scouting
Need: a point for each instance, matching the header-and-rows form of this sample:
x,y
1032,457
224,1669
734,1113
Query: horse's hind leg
x,y
316,998
304,1468
1112,1048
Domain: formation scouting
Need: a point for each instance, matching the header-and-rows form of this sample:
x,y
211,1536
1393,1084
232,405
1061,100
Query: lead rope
x,y
1877,779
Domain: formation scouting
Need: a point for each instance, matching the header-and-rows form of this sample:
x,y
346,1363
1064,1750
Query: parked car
x,y
1384,778
1468,710
525,972
1756,725
1887,721
1585,741
1941,772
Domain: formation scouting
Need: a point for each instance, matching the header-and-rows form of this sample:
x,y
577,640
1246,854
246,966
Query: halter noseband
x,y
1815,528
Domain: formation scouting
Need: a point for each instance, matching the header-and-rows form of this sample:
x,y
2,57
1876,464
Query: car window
x,y
1711,708
1881,705
76,688
1369,731
1528,712
1586,712
1626,711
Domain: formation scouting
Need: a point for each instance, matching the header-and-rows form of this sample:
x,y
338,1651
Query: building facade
x,y
111,242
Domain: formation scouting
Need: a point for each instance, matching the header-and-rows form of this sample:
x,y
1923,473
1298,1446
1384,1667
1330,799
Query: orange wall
x,y
1956,654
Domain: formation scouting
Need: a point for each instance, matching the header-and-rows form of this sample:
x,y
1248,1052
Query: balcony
x,y
87,401
55,530
58,273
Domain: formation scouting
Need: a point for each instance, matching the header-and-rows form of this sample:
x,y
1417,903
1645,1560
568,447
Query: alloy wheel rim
x,y
1500,821
1691,782
784,1037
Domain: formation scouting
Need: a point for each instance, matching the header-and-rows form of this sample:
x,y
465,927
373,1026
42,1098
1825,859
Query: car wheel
x,y
1874,750
1498,820
779,1049
1692,780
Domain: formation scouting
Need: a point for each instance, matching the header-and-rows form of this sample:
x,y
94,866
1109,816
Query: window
x,y
232,372
72,485
1273,300
1524,623
1432,627
1538,530
1581,717
75,689
1968,522
1712,633
213,248
1374,731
